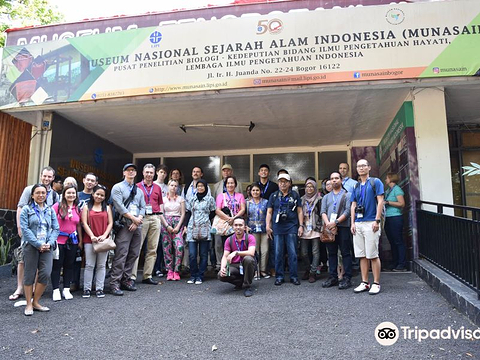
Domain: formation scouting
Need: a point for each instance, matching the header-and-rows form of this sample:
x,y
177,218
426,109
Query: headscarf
x,y
202,195
310,199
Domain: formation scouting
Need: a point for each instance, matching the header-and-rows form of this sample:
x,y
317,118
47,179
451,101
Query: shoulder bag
x,y
101,246
222,227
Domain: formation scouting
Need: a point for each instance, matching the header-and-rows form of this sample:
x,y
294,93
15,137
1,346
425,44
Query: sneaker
x,y
364,286
56,295
331,281
265,275
345,283
170,275
176,276
374,289
191,281
198,281
248,292
399,269
86,294
312,278
100,294
67,295
158,273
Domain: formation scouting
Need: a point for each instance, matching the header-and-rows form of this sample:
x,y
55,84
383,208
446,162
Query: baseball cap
x,y
284,176
227,166
129,165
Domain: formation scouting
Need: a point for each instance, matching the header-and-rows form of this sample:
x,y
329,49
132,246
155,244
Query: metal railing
x,y
451,242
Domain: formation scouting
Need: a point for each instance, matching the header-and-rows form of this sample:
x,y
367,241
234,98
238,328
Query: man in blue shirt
x,y
347,182
367,206
285,209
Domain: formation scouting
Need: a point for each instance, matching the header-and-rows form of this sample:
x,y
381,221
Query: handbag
x,y
101,246
221,226
105,245
200,232
328,236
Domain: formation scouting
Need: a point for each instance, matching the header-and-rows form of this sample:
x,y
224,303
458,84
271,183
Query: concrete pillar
x,y
433,153
40,146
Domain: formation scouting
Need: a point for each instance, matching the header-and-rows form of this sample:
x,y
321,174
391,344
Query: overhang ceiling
x,y
283,117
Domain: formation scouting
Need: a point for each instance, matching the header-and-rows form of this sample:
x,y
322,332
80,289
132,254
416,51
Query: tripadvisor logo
x,y
395,16
386,333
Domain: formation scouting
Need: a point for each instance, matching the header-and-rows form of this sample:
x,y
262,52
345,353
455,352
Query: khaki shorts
x,y
365,241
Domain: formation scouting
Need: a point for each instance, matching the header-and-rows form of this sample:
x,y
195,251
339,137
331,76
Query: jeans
x,y
197,271
280,241
394,232
160,261
305,244
342,241
66,260
271,254
94,261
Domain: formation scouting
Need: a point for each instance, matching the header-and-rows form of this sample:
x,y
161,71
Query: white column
x,y
433,153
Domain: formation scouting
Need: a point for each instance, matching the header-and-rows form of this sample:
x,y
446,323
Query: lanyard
x,y
257,217
309,209
194,191
232,202
363,193
284,200
40,215
265,187
335,198
239,247
146,191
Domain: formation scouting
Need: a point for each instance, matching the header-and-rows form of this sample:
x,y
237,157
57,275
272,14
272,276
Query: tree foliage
x,y
19,13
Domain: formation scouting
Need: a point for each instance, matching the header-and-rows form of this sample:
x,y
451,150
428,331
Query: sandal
x,y
15,296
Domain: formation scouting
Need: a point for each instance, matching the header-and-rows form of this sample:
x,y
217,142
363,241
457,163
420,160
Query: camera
x,y
359,209
283,215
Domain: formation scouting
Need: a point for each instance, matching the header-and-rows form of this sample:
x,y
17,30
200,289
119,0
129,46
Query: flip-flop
x,y
41,309
28,312
15,296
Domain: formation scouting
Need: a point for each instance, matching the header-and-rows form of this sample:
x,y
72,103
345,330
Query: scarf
x,y
310,199
202,195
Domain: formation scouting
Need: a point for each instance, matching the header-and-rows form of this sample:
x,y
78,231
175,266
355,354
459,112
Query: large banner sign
x,y
323,46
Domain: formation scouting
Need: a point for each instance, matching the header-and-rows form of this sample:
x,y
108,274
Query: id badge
x,y
241,269
309,228
258,229
42,235
148,210
359,215
277,218
133,209
333,217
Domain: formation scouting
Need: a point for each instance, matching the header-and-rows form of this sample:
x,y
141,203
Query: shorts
x,y
365,241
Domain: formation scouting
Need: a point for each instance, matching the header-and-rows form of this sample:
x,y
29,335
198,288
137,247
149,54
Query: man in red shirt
x,y
151,223
238,261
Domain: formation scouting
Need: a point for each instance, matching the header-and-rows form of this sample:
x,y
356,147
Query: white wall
x,y
432,145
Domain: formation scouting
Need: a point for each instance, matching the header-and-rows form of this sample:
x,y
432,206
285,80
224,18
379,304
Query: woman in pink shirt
x,y
230,205
69,238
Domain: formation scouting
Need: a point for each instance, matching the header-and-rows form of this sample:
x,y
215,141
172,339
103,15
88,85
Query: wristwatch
x,y
378,221
337,222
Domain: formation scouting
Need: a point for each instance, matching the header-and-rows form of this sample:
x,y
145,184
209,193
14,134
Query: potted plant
x,y
5,264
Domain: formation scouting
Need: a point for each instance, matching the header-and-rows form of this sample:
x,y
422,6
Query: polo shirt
x,y
152,195
242,246
391,195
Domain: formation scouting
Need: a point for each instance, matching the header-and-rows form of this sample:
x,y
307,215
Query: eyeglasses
x,y
362,166
131,170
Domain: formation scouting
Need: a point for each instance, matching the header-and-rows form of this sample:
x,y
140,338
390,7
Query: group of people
x,y
182,224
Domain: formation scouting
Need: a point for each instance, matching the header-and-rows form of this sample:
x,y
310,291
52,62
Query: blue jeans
x,y
271,254
280,241
394,231
342,241
196,271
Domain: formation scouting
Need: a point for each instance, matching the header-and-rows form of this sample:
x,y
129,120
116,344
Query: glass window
x,y
329,161
241,166
471,139
142,162
209,164
472,183
299,165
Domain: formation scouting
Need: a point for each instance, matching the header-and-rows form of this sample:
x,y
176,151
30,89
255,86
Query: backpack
x,y
372,184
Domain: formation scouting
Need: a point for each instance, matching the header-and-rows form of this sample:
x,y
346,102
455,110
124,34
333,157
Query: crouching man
x,y
238,261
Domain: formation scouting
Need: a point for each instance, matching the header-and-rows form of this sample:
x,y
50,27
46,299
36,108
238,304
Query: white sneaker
x,y
362,287
67,295
56,295
198,282
374,289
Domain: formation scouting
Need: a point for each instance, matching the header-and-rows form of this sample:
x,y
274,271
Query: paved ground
x,y
175,320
